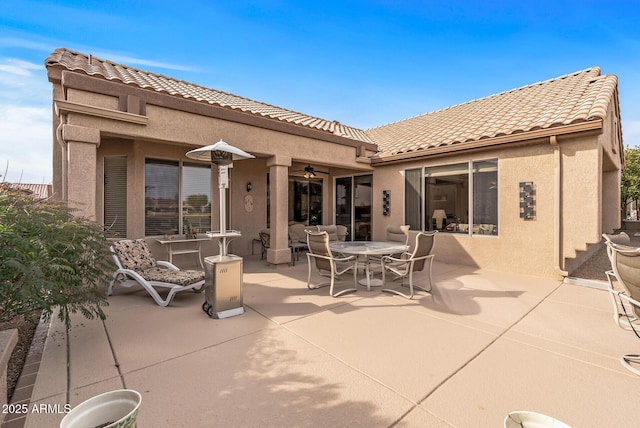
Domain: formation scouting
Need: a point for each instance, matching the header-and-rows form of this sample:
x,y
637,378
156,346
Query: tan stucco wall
x,y
567,220
612,162
531,163
170,133
535,240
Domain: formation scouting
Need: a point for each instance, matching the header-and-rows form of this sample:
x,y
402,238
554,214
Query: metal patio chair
x,y
325,262
409,263
618,311
625,264
265,242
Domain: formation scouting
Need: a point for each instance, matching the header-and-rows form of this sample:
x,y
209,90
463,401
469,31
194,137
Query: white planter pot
x,y
524,419
113,409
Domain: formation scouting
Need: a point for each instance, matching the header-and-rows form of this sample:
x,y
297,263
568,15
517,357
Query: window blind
x,y
115,195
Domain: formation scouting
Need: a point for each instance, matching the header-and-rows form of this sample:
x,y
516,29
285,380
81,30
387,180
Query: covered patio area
x,y
481,345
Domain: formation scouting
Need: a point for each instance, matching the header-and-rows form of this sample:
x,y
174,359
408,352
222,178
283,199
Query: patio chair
x,y
625,264
325,262
265,242
136,265
296,247
409,263
342,232
621,239
331,229
394,234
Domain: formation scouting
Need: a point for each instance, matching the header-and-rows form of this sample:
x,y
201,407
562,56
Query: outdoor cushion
x,y
180,277
134,254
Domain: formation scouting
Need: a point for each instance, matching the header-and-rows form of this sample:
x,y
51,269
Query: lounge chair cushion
x,y
134,254
180,277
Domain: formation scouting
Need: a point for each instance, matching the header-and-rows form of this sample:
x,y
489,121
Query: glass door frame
x,y
365,228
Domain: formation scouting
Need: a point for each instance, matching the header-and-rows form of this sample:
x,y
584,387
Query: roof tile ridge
x,y
596,69
60,53
608,84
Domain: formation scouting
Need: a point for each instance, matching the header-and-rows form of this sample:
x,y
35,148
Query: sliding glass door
x,y
353,206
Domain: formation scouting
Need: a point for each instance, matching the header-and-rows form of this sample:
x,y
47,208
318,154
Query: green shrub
x,y
50,259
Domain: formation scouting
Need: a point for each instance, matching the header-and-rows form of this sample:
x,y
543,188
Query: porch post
x,y
82,145
279,252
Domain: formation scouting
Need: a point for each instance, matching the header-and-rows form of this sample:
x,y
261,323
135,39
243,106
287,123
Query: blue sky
x,y
363,63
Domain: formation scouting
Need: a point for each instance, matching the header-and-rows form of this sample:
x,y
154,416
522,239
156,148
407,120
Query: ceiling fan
x,y
310,172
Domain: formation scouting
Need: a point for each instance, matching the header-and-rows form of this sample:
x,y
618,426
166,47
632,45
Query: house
x,y
36,191
525,180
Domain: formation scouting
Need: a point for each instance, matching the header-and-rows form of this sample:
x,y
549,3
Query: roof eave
x,y
96,84
531,137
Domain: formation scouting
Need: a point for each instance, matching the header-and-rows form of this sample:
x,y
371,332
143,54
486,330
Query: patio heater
x,y
223,273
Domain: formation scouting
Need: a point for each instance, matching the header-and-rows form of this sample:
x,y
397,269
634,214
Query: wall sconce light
x,y
386,202
249,186
527,200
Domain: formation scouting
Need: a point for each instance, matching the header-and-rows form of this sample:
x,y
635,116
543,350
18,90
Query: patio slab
x,y
481,345
271,378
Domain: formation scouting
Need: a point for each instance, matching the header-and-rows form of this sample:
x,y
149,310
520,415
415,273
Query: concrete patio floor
x,y
481,345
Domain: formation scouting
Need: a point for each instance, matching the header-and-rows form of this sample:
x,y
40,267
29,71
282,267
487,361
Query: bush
x,y
50,259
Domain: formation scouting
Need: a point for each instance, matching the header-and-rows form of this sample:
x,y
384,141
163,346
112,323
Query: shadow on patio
x,y
481,345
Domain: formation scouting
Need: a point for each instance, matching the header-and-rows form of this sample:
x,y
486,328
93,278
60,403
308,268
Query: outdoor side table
x,y
196,248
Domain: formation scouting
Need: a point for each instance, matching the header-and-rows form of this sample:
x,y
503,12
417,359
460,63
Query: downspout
x,y
63,144
558,247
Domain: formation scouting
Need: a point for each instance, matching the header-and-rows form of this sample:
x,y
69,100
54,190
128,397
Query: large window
x,y
196,197
447,197
485,197
177,197
457,198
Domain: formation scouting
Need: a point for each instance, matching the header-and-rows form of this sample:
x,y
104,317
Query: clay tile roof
x,y
90,65
578,97
37,191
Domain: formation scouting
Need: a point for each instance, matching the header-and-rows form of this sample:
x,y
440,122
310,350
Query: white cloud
x,y
25,122
18,67
25,144
22,43
130,60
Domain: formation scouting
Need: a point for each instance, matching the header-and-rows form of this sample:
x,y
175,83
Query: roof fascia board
x,y
71,107
532,137
83,82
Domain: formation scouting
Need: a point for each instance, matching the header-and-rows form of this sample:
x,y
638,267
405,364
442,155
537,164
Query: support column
x,y
279,252
82,145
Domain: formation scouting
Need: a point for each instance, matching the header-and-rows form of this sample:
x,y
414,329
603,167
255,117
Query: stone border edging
x,y
8,341
24,389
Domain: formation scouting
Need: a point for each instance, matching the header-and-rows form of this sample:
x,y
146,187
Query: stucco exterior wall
x,y
581,178
612,162
168,134
525,246
576,180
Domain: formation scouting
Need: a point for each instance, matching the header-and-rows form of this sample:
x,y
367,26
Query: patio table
x,y
366,249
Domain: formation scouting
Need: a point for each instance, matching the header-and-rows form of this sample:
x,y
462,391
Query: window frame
x,y
470,194
180,163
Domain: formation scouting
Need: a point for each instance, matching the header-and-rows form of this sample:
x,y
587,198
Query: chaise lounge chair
x,y
136,265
